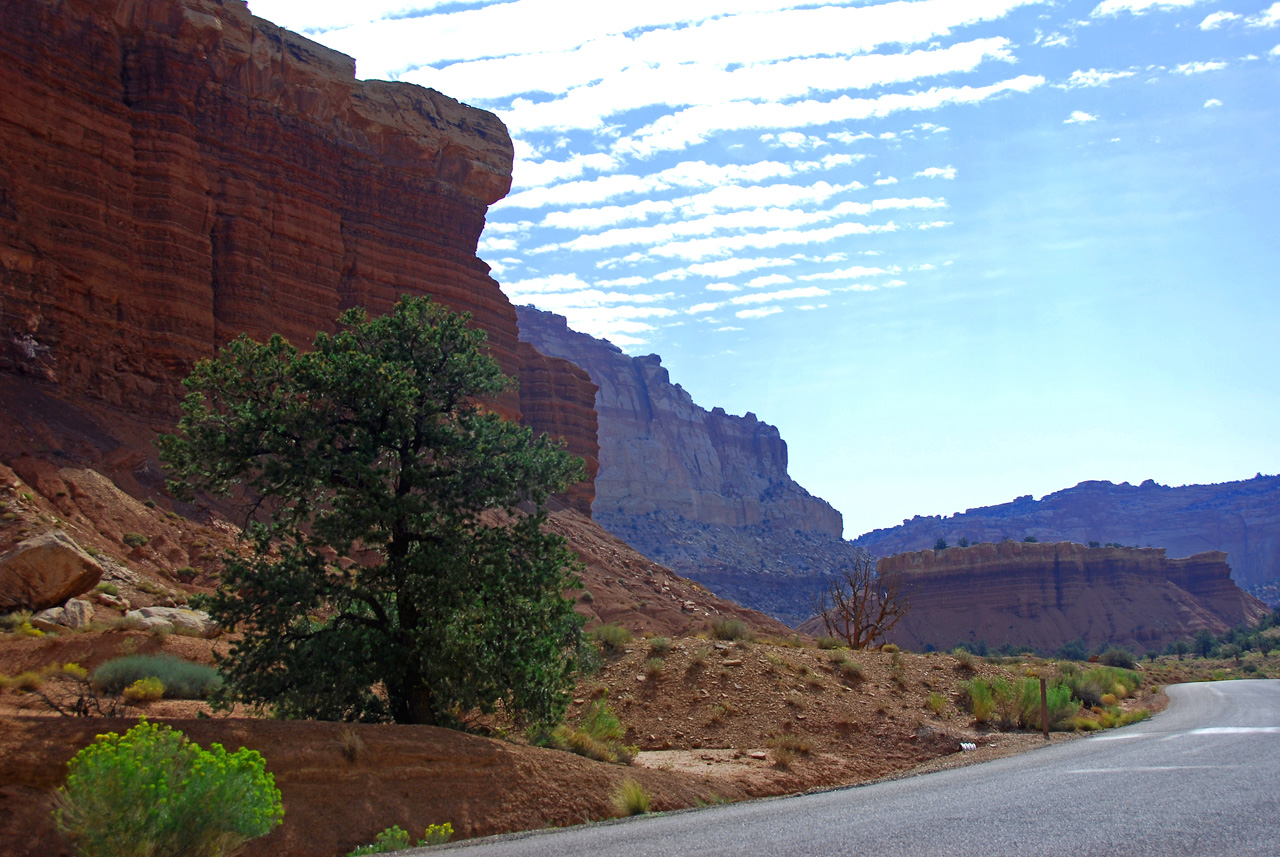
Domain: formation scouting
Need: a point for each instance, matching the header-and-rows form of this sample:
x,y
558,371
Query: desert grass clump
x,y
828,643
631,798
134,540
784,748
351,744
891,648
978,696
964,659
181,679
598,735
396,838
659,646
653,668
724,628
936,703
849,671
1089,686
611,638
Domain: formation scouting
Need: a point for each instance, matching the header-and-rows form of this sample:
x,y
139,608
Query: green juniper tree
x,y
398,568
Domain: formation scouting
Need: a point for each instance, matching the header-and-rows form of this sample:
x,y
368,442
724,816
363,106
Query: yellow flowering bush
x,y
152,793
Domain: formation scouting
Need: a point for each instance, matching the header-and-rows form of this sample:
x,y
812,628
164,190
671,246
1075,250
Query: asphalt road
x,y
1200,778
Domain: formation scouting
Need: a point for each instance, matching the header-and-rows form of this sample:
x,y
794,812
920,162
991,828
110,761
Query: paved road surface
x,y
1201,778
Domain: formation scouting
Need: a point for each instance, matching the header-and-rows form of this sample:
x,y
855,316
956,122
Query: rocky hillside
x,y
704,492
176,172
1045,595
1241,519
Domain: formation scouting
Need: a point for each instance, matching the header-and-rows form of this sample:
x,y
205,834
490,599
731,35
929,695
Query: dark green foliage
x,y
1031,540
612,638
940,544
181,679
1202,644
1118,657
395,525
1072,651
134,540
964,542
1089,686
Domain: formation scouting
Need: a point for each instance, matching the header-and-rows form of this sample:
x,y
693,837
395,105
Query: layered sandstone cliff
x,y
704,492
175,172
1045,595
1239,518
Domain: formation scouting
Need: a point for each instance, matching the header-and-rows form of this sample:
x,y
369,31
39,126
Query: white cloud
x,y
758,313
733,267
1093,77
1079,117
846,273
496,245
1274,52
782,295
768,280
1268,17
1053,40
699,308
1213,102
947,172
693,125
704,248
1137,7
528,173
1190,68
624,282
1214,20
888,180
848,137
727,327
723,287
546,285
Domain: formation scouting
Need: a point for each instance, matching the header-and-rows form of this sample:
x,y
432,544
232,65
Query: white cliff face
x,y
661,453
703,492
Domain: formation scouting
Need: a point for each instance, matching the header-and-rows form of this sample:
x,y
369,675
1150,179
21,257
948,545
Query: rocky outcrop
x,y
75,614
704,492
1045,595
44,571
1240,518
171,620
176,172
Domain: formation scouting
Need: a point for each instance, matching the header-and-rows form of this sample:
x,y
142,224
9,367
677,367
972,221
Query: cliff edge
x,y
176,172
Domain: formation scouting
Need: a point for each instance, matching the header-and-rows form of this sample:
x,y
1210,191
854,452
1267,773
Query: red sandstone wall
x,y
174,172
1049,594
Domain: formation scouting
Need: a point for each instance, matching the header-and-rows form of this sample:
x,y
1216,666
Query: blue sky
x,y
956,250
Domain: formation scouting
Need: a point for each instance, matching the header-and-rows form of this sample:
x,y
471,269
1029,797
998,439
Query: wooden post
x,y
1044,707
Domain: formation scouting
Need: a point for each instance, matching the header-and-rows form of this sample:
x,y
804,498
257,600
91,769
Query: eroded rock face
x,y
176,172
1240,518
44,571
1046,595
704,492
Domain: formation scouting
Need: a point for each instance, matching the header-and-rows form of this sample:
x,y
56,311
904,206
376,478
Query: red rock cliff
x,y
175,172
1046,595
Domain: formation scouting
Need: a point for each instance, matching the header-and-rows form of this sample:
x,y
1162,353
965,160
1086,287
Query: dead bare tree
x,y
860,606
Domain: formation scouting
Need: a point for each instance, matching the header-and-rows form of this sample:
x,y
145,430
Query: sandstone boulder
x,y
45,571
172,620
76,613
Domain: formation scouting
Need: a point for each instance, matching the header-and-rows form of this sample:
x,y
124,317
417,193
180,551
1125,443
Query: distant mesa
x,y
1241,519
1045,595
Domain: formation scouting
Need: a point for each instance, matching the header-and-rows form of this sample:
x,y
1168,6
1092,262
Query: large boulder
x,y
172,620
74,614
45,571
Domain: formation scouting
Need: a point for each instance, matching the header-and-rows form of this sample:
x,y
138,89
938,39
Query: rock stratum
x,y
1241,519
176,172
1045,595
704,492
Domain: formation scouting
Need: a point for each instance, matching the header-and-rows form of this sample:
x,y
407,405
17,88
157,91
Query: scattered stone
x,y
72,615
45,571
758,754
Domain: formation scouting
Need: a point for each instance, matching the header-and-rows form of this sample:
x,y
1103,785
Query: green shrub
x,y
659,646
181,679
134,540
978,695
395,838
723,628
1089,686
631,798
612,638
653,668
1118,657
153,792
936,703
829,642
598,735
107,588
891,648
964,658
187,574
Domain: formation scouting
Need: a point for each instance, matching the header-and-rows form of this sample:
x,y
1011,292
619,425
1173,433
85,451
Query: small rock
x,y
758,754
733,662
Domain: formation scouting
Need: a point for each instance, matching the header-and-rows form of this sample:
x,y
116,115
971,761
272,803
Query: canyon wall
x,y
1241,519
1045,595
176,172
704,492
